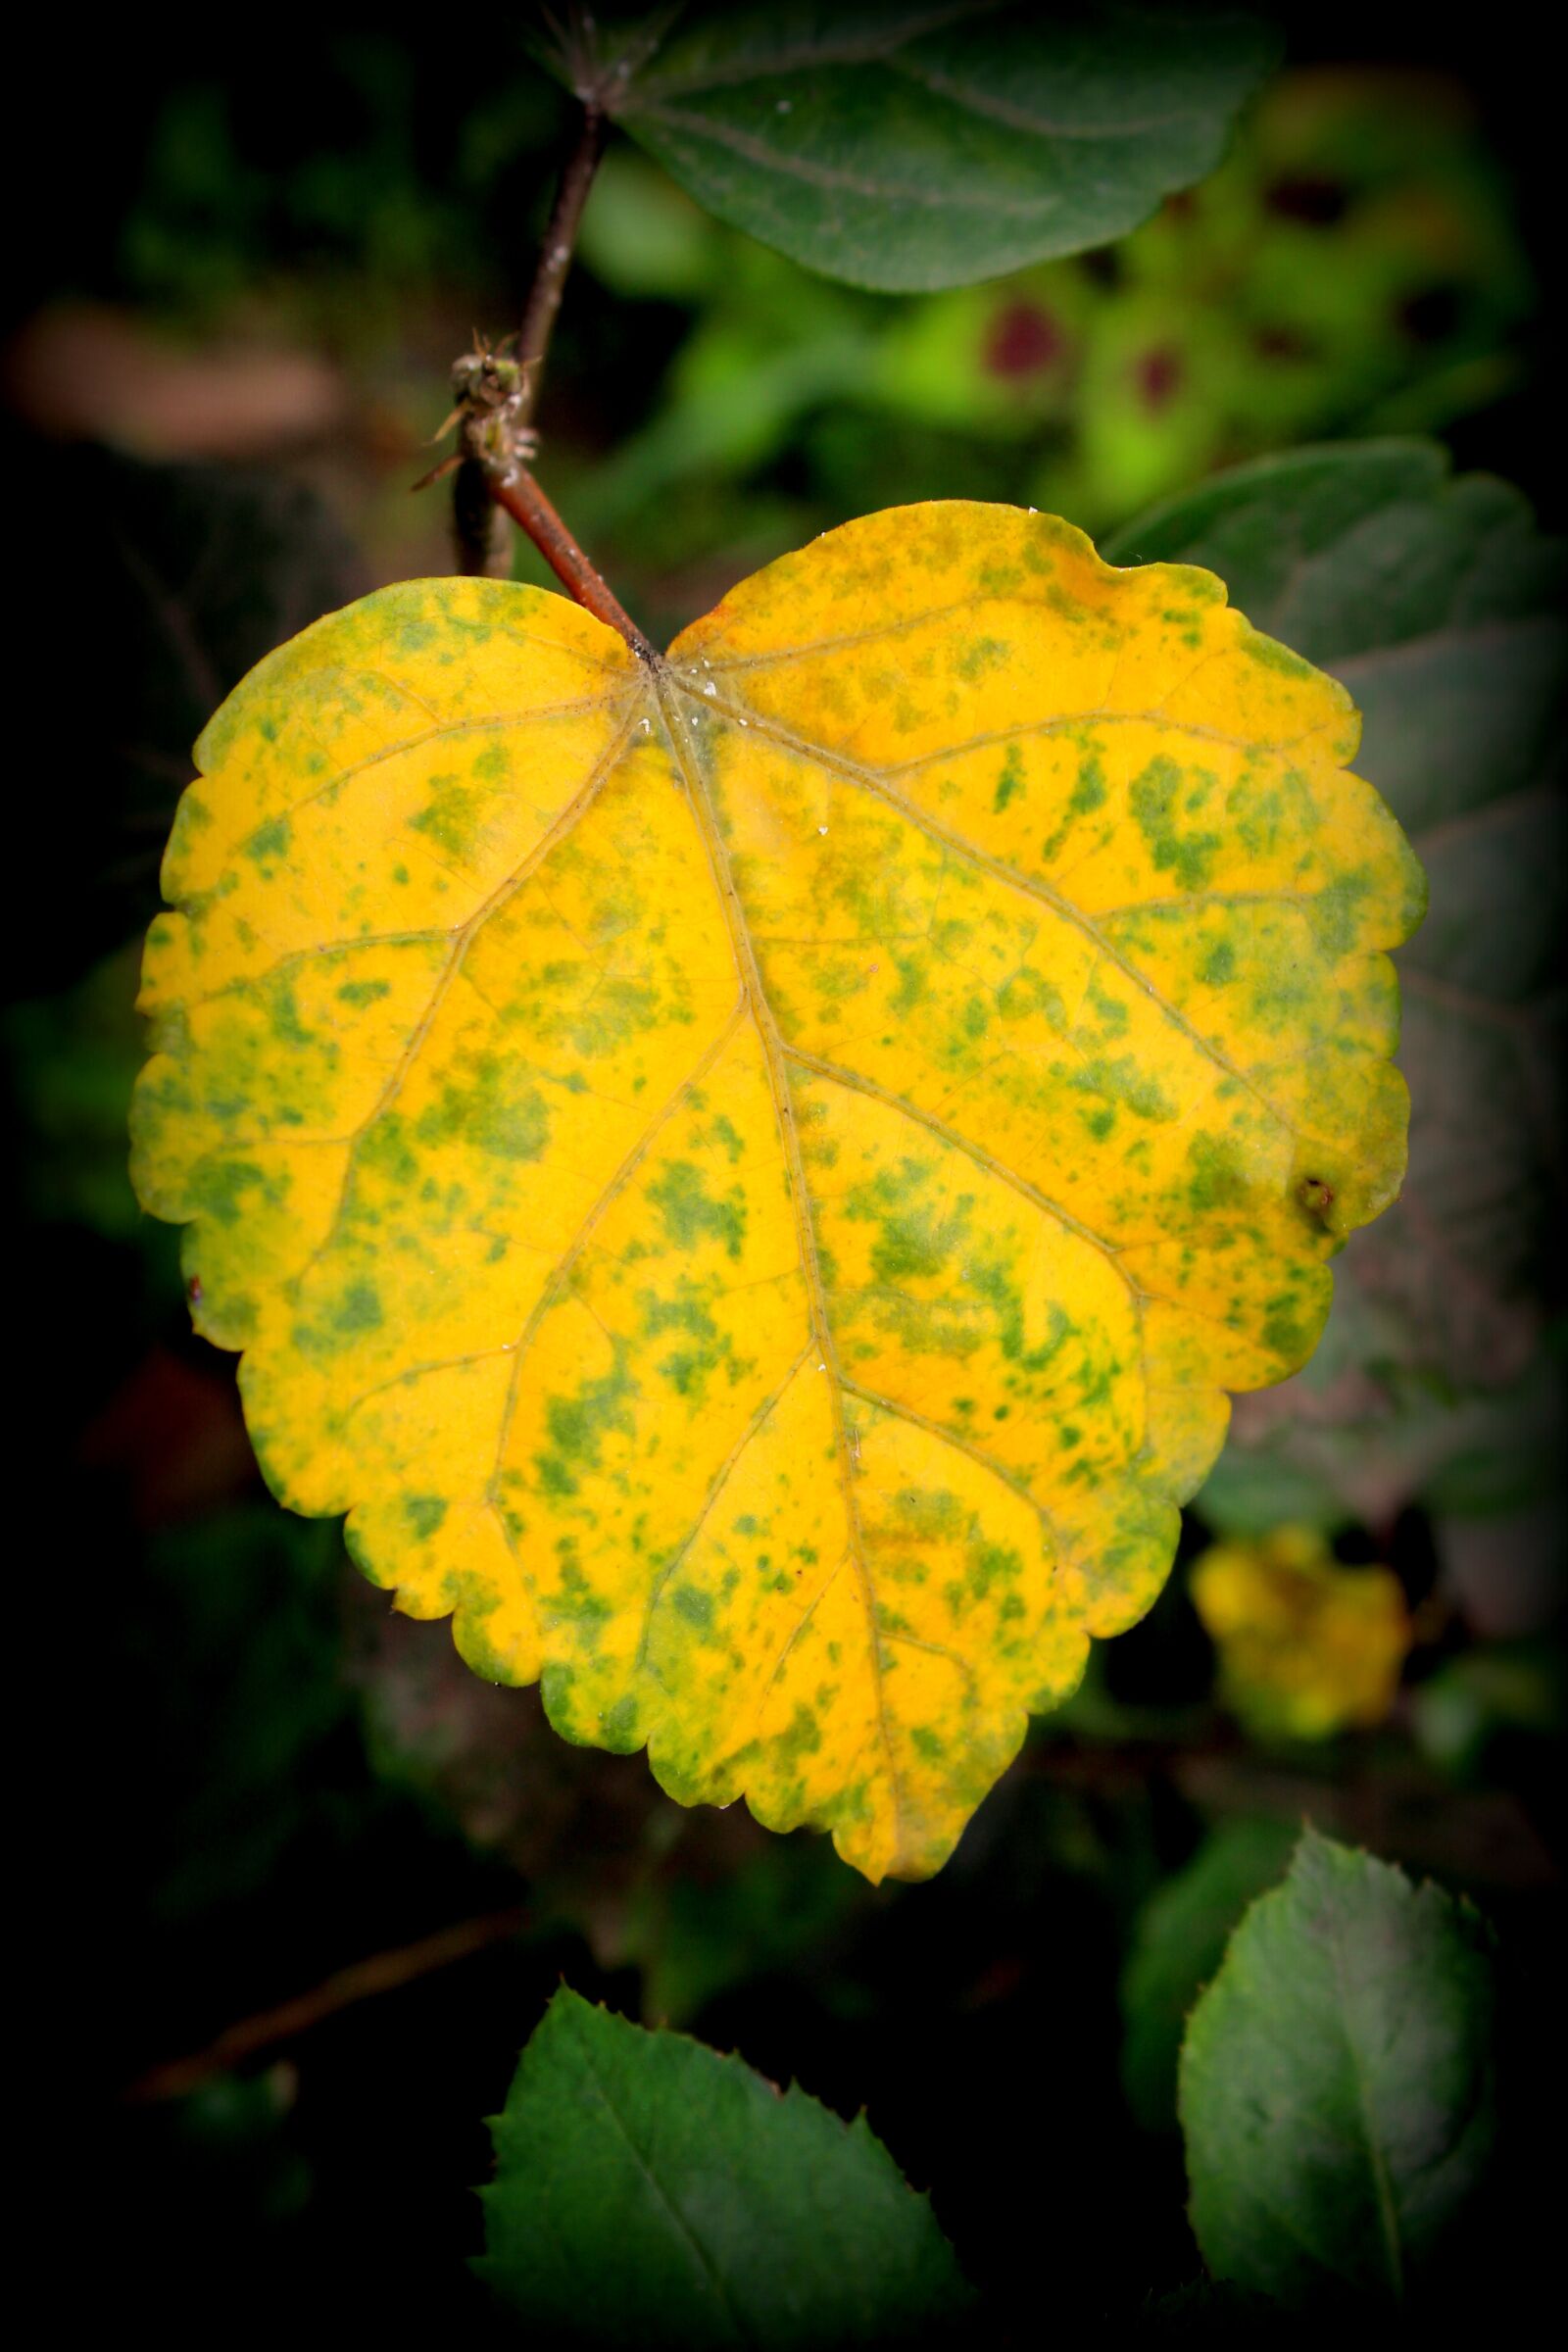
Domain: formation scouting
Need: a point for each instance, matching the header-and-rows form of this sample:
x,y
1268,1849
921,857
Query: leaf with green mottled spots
x,y
751,1218
649,2191
914,146
1438,604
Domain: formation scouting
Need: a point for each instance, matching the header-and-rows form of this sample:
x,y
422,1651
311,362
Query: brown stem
x,y
384,1972
516,489
555,256
473,517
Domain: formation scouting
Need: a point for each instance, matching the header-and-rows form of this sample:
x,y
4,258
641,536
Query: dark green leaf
x,y
649,2191
908,147
1337,2082
1178,1944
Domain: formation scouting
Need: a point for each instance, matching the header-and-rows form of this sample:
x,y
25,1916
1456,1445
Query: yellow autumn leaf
x,y
748,1176
1306,1646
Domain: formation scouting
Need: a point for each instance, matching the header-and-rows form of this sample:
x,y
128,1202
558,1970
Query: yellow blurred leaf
x,y
1306,1647
748,1177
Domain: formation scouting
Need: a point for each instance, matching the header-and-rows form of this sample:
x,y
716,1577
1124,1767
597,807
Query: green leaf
x,y
1178,1944
650,2191
1337,2085
910,147
1438,604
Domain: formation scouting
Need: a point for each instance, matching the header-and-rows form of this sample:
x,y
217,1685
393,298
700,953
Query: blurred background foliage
x,y
226,352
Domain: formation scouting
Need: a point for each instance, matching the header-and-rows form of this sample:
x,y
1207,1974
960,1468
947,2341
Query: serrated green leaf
x,y
1178,1943
1335,2087
649,2191
911,147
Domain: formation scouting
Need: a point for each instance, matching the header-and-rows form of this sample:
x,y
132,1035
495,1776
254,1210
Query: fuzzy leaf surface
x,y
1337,2088
749,1177
911,147
648,2190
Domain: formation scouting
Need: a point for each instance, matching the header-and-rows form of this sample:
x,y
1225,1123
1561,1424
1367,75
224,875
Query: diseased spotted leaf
x,y
749,1176
1439,604
650,2191
910,147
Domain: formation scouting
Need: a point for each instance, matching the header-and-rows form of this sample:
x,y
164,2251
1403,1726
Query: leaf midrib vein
x,y
1383,2186
707,2266
751,980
